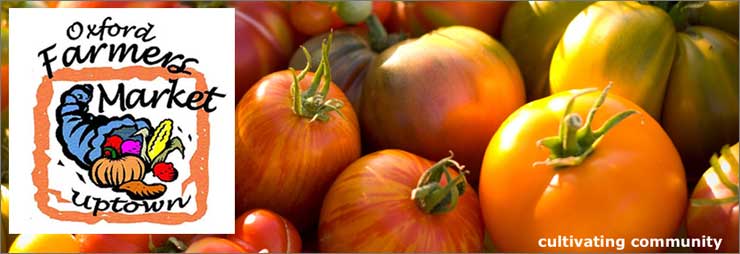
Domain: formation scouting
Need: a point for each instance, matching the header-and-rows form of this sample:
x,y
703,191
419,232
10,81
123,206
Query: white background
x,y
204,34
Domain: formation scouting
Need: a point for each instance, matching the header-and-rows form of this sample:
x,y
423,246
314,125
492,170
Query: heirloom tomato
x,y
310,17
292,140
420,17
685,76
530,31
548,173
395,201
714,204
4,235
700,111
41,243
265,230
629,43
447,90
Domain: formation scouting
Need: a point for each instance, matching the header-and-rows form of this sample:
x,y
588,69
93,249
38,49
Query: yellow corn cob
x,y
160,138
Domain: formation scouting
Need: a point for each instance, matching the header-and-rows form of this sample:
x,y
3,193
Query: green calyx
x,y
433,198
576,140
313,103
723,178
172,245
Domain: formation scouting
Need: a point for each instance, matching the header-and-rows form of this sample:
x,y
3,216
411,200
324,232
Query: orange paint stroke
x,y
198,163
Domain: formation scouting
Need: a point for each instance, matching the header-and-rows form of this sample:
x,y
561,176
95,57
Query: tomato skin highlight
x,y
448,90
531,31
369,209
43,243
284,162
700,113
266,230
718,221
631,186
628,43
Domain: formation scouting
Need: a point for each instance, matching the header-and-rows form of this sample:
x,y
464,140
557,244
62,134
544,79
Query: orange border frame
x,y
198,163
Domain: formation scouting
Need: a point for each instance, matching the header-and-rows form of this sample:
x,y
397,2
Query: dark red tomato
x,y
217,245
116,4
97,243
447,90
418,18
264,42
266,230
289,149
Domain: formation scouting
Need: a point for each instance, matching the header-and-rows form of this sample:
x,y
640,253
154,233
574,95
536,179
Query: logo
x,y
122,120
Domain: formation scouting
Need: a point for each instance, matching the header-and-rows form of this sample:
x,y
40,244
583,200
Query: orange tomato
x,y
714,207
373,206
41,243
631,185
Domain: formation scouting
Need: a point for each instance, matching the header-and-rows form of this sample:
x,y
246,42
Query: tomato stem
x,y
113,153
430,196
576,140
312,103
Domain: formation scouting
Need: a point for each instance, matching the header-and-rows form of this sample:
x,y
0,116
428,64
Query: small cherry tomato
x,y
311,18
266,230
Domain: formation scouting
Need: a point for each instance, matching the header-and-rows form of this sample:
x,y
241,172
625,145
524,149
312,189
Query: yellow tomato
x,y
42,243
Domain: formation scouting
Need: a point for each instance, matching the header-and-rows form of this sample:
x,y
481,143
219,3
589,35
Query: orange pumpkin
x,y
114,171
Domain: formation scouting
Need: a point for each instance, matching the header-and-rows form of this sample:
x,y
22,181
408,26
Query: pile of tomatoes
x,y
469,127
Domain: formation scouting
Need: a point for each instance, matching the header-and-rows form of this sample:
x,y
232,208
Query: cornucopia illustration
x,y
118,152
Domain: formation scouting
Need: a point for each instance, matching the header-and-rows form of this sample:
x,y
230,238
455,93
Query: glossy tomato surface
x,y
268,231
631,186
369,209
719,221
285,162
628,43
448,90
700,112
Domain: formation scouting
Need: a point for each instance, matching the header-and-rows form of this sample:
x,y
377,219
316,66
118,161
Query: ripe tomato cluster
x,y
545,119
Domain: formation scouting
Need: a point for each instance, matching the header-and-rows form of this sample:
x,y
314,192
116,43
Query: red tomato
x,y
418,18
116,4
631,185
285,160
264,42
379,204
217,245
447,90
110,243
714,208
265,230
311,18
